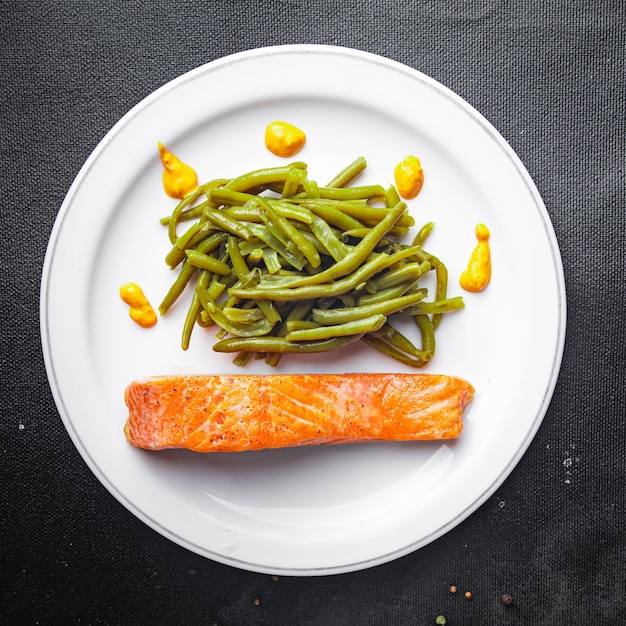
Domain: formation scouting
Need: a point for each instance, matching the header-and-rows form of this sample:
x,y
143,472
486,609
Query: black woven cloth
x,y
550,76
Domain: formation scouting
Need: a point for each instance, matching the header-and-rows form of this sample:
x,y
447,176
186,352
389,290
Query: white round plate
x,y
326,509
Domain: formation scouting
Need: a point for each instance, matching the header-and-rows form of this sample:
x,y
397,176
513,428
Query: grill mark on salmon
x,y
235,413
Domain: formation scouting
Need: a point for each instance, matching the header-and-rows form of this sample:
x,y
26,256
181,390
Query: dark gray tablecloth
x,y
550,76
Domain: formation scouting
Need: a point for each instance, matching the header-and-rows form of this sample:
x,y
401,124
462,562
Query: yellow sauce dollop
x,y
140,309
478,273
179,179
409,177
283,139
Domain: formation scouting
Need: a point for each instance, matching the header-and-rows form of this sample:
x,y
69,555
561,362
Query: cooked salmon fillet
x,y
234,413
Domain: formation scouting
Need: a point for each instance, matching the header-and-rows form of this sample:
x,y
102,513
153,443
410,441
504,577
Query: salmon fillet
x,y
234,413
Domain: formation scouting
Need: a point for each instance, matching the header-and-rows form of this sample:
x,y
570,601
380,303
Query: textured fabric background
x,y
550,76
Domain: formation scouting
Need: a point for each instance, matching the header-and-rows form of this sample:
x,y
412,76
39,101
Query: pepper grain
x,y
506,599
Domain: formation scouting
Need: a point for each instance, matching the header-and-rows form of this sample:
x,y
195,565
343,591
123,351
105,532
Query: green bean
x,y
360,233
327,238
409,272
243,316
293,182
252,329
427,332
183,241
282,345
427,335
392,197
354,259
348,173
241,269
347,314
291,211
370,216
299,312
245,206
293,234
437,307
261,232
388,294
192,213
292,325
311,190
269,311
354,327
207,262
204,240
338,287
247,212
390,350
271,260
331,215
178,286
227,224
178,210
243,358
303,268
194,310
423,234
441,271
263,177
393,343
366,192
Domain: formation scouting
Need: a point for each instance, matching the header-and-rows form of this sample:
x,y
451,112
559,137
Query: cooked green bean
x,y
437,307
303,268
348,173
263,177
390,350
358,326
194,309
366,192
281,345
327,238
292,233
243,316
325,290
228,224
292,325
409,272
423,234
270,311
347,314
178,286
292,183
393,343
207,262
241,329
331,215
271,260
260,231
388,294
357,256
203,240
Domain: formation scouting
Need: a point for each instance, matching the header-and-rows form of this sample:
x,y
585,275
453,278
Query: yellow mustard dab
x,y
140,309
179,179
284,139
478,273
409,177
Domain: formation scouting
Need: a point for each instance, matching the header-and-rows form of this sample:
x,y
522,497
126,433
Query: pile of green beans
x,y
282,265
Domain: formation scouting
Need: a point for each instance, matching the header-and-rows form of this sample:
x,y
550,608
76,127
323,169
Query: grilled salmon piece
x,y
234,413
